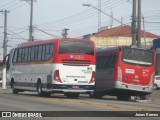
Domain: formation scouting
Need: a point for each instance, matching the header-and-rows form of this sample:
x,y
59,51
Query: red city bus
x,y
124,72
48,66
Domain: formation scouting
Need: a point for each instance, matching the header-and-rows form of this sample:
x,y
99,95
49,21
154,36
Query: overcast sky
x,y
52,16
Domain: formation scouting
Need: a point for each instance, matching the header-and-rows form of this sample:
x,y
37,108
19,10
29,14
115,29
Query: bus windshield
x,y
137,56
72,46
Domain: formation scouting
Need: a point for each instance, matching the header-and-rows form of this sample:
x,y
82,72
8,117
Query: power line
x,y
18,6
47,33
78,16
13,5
17,35
20,32
7,3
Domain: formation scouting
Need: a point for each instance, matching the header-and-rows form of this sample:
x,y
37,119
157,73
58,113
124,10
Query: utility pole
x,y
65,32
99,15
4,48
139,24
144,31
31,37
122,21
111,19
134,29
31,23
5,33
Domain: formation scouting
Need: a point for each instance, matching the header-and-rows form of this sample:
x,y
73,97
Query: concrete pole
x,y
99,15
139,24
31,23
134,29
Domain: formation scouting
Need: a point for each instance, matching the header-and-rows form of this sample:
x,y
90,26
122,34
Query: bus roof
x,y
107,49
38,42
115,48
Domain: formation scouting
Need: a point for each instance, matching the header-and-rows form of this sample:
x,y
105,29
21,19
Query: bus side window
x,y
36,52
40,53
43,52
22,55
25,54
32,54
19,55
97,62
15,56
112,61
29,54
106,58
48,51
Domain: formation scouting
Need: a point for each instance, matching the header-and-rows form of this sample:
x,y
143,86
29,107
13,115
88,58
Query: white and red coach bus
x,y
48,66
124,71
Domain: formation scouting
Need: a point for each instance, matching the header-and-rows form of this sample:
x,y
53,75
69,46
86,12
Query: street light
x,y
90,5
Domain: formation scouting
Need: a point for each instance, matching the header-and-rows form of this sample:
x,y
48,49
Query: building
x,y
121,35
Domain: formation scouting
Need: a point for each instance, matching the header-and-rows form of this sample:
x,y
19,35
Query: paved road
x,y
28,101
155,97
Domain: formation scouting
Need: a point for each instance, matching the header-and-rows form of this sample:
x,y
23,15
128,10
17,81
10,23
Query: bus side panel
x,y
26,77
104,79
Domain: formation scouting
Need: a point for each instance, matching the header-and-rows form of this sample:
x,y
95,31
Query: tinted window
x,y
43,52
25,54
76,46
104,62
40,53
34,53
48,51
137,56
15,56
19,55
29,54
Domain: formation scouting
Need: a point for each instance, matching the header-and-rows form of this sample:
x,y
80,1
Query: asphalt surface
x,y
29,101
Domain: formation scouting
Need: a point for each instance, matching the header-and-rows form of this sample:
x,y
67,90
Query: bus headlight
x,y
152,79
92,78
119,74
57,77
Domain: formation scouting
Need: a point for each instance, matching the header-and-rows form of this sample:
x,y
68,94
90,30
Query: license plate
x,y
75,87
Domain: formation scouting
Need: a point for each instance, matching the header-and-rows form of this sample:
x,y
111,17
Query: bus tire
x,y
124,98
14,90
155,87
95,95
72,95
46,94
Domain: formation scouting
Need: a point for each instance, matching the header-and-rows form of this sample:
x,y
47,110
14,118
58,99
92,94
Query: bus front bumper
x,y
71,88
138,88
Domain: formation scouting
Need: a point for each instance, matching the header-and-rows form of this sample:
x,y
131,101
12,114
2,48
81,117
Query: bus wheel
x,y
125,98
14,91
72,95
155,87
39,89
95,95
46,94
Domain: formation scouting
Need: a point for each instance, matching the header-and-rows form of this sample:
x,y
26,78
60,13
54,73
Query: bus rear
x,y
135,72
75,71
